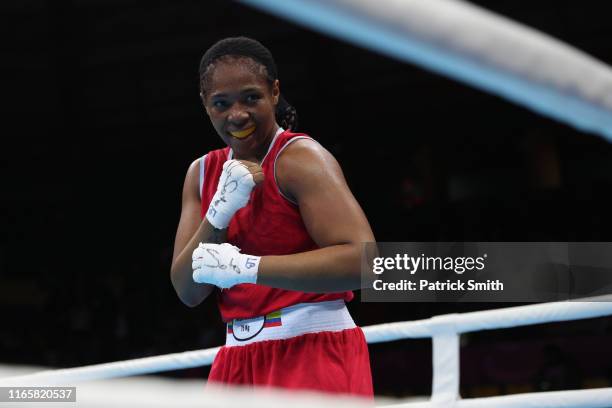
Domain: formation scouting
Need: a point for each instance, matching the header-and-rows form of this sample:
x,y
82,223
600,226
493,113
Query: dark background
x,y
101,119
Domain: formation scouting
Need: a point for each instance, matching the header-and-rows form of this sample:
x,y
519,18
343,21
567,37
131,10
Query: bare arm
x,y
191,231
311,175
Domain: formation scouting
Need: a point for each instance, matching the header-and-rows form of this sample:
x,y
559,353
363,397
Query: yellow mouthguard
x,y
241,134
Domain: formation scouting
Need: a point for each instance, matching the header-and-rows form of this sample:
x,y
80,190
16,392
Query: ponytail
x,y
286,115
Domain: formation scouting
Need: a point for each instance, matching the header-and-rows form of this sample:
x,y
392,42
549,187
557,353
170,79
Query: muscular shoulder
x,y
304,165
192,179
194,167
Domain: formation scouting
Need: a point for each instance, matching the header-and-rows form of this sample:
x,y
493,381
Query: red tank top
x,y
269,225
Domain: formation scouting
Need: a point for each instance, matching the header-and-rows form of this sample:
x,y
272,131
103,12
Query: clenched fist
x,y
237,180
223,265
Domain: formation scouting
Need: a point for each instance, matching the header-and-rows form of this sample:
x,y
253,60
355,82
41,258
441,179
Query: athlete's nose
x,y
238,117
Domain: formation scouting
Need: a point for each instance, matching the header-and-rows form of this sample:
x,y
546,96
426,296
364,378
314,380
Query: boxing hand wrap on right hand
x,y
233,192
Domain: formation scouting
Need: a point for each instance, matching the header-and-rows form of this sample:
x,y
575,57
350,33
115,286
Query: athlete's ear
x,y
275,91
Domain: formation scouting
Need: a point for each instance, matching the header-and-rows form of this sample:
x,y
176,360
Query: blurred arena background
x,y
102,118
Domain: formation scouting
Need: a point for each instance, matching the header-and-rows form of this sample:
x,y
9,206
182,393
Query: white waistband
x,y
290,322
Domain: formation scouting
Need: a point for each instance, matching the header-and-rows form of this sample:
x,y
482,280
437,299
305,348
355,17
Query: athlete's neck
x,y
257,155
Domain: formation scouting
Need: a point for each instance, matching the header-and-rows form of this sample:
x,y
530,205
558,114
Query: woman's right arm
x,y
191,231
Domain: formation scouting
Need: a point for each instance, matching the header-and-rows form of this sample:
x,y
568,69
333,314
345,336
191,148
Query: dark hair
x,y
246,50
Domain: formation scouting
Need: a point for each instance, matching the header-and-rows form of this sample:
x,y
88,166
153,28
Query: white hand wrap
x,y
223,265
233,191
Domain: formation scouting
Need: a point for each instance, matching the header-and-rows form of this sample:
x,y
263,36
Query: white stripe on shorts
x,y
294,321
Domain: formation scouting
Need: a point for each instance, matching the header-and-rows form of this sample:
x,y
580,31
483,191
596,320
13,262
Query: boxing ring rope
x,y
472,45
443,329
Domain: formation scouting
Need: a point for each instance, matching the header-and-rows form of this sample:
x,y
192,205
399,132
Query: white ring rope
x,y
472,45
492,319
444,330
595,398
126,368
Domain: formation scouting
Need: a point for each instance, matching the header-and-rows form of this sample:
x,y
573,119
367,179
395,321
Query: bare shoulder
x,y
192,179
194,168
305,164
305,155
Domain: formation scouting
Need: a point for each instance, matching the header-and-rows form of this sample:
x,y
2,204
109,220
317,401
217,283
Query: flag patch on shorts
x,y
273,319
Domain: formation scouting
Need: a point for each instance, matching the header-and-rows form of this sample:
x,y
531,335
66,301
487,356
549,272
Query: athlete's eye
x,y
253,98
220,104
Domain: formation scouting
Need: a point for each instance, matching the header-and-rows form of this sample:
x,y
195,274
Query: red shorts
x,y
336,362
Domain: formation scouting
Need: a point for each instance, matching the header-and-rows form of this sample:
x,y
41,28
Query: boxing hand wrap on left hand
x,y
223,265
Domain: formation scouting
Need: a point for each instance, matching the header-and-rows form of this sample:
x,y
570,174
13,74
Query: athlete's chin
x,y
246,147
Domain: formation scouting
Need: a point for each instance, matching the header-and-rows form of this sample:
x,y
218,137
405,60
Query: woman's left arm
x,y
311,176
